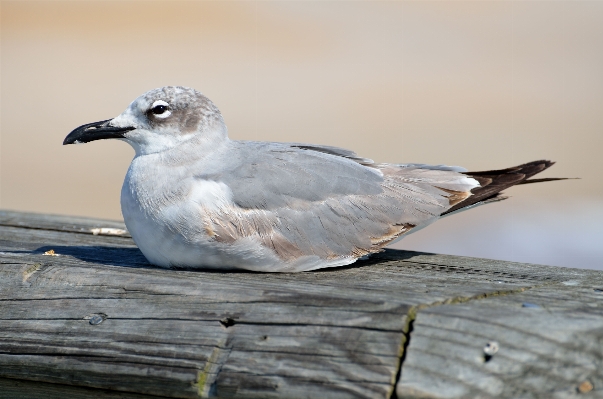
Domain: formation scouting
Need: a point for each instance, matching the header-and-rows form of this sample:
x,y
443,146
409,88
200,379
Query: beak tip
x,y
71,139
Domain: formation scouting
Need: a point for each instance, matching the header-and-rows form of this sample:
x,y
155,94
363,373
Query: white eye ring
x,y
160,109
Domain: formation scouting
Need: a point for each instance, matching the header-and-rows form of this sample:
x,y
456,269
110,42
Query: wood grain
x,y
550,341
98,316
24,389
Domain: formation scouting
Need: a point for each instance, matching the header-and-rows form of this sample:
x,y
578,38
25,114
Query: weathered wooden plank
x,y
267,343
550,340
45,335
24,389
71,224
177,333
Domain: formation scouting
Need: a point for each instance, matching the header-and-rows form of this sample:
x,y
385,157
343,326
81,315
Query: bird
x,y
194,198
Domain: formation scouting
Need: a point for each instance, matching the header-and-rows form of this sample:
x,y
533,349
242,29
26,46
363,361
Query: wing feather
x,y
309,201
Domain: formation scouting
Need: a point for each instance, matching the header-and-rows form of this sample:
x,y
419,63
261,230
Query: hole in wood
x,y
489,350
227,322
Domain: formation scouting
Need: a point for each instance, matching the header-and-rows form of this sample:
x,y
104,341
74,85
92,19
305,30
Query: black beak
x,y
96,131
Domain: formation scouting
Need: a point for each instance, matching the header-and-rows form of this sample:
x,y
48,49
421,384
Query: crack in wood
x,y
228,322
207,377
412,315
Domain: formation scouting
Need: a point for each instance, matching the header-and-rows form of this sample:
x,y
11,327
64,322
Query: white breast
x,y
170,231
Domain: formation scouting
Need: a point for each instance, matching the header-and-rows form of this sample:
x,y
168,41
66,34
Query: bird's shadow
x,y
133,257
387,255
113,256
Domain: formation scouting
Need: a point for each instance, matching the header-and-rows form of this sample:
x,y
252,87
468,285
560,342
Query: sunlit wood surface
x,y
85,316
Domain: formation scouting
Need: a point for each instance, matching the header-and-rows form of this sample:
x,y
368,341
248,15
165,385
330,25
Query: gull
x,y
193,198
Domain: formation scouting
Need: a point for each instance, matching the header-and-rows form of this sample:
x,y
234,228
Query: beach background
x,y
483,85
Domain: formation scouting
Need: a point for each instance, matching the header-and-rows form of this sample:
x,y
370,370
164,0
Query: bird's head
x,y
158,120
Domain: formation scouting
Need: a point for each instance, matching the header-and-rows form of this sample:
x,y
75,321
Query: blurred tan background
x,y
478,84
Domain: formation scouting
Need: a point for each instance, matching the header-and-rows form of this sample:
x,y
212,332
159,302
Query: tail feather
x,y
492,182
546,179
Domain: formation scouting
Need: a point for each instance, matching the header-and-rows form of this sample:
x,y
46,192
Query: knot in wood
x,y
96,319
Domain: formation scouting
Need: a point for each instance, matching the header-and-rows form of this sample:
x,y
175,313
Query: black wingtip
x,y
492,182
546,179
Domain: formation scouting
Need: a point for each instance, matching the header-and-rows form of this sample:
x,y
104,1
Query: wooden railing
x,y
85,316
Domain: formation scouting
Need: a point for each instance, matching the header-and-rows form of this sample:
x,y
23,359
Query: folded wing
x,y
321,206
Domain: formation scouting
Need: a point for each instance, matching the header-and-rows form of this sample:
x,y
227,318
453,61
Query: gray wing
x,y
327,203
274,175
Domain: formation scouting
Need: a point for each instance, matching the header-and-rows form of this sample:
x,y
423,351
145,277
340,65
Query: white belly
x,y
174,234
162,246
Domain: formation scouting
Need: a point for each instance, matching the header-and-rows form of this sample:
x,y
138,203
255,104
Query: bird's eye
x,y
160,109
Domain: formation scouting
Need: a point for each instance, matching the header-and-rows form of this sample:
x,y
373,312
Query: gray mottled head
x,y
158,120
